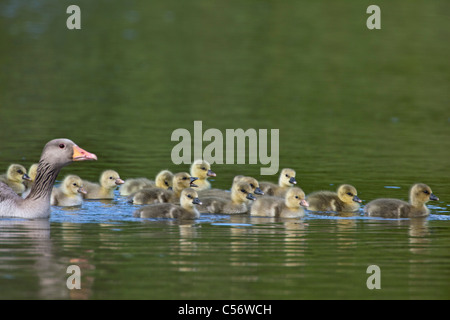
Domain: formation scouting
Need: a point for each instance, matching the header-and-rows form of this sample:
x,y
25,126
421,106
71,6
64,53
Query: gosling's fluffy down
x,y
32,171
241,195
15,177
186,210
162,180
285,181
292,206
419,195
344,200
69,193
227,193
109,180
180,181
202,170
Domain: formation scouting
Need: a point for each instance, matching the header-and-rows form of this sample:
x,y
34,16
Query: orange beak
x,y
81,155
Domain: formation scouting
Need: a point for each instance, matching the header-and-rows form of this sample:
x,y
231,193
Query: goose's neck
x,y
45,179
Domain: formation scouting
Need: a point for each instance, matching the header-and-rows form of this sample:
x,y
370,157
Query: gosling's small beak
x,y
26,177
119,181
81,155
433,197
250,196
192,182
304,203
82,190
210,174
258,191
196,201
356,199
292,180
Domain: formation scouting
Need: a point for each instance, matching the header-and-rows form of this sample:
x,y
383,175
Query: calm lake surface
x,y
352,105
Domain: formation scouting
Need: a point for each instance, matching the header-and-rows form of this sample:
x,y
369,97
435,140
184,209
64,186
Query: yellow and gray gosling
x,y
285,181
344,200
69,193
162,180
292,206
187,209
202,170
241,195
15,177
419,195
109,180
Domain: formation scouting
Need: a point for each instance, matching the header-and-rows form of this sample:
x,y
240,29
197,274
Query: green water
x,y
352,105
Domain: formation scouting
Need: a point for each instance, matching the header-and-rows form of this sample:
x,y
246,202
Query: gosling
x,y
344,200
285,181
187,210
419,195
15,177
109,180
292,206
227,194
69,193
162,180
202,170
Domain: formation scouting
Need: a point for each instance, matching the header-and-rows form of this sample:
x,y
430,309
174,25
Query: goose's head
x,y
201,169
242,192
17,173
164,179
420,194
287,178
183,180
254,184
72,185
61,152
189,198
295,197
110,179
348,194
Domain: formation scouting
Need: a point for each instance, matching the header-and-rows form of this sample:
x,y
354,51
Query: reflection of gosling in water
x,y
180,181
285,181
292,206
186,210
162,180
227,194
419,195
202,170
241,194
15,177
109,180
69,193
344,200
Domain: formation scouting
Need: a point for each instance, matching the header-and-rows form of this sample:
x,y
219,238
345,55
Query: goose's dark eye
x,y
287,176
166,183
251,185
189,196
61,145
203,168
19,171
350,194
426,192
111,177
296,197
242,190
75,184
184,178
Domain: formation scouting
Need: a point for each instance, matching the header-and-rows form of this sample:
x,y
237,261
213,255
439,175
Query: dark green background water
x,y
359,106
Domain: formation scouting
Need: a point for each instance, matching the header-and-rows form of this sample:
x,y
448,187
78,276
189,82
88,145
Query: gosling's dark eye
x,y
75,184
166,183
350,194
189,196
184,178
61,145
242,190
287,176
111,177
19,171
203,168
296,197
426,192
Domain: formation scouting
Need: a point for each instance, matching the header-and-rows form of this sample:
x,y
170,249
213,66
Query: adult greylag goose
x,y
55,155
